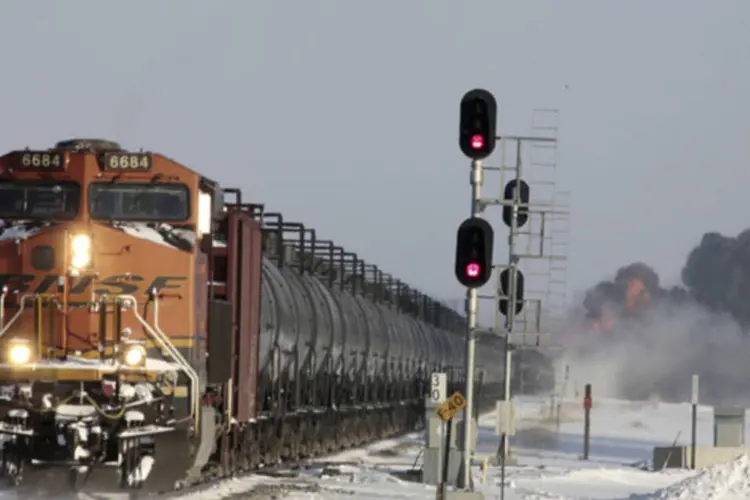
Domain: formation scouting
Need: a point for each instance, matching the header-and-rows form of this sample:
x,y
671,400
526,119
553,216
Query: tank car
x,y
156,330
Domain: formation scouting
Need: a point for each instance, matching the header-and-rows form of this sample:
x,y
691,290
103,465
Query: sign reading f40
x,y
452,405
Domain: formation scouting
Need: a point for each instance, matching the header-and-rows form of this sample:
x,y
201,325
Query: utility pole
x,y
694,419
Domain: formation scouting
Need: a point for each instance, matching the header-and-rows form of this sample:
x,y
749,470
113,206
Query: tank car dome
x,y
88,144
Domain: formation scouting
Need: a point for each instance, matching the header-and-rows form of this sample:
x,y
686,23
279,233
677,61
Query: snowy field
x,y
623,435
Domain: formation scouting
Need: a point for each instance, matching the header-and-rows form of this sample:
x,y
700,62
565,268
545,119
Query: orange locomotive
x,y
103,311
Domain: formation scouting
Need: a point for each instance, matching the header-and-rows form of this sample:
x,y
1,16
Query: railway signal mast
x,y
478,120
477,140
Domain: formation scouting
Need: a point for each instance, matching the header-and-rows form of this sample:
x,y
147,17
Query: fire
x,y
603,324
637,295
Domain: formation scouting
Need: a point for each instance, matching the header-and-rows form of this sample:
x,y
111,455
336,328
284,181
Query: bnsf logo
x,y
113,285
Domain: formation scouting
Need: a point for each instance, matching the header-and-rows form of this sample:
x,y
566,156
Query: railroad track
x,y
282,476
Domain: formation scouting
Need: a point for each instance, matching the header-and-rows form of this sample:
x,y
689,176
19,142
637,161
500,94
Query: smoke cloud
x,y
633,292
717,273
637,339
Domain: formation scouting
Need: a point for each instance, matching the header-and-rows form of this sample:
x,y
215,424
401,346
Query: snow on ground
x,y
623,435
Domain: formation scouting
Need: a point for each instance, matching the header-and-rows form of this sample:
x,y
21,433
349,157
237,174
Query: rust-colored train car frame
x,y
244,246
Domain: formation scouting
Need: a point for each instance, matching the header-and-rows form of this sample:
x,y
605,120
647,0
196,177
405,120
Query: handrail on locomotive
x,y
122,350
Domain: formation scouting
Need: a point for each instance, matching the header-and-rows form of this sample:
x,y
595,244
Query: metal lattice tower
x,y
545,122
556,301
537,246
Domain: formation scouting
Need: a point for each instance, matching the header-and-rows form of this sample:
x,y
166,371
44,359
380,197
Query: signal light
x,y
477,125
474,252
524,195
505,291
473,270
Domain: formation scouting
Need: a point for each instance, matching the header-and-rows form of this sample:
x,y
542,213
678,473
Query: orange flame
x,y
603,324
637,295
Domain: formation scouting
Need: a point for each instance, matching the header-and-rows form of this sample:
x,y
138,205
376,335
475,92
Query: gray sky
x,y
344,114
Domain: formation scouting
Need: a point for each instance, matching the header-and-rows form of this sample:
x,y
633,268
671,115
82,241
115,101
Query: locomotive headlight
x,y
19,352
133,355
80,251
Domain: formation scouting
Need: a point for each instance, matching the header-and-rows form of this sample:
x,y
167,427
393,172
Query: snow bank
x,y
720,482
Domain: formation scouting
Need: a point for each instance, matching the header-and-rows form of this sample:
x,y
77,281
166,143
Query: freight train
x,y
157,331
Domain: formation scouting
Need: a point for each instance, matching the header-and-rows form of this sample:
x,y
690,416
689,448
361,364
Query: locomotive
x,y
156,330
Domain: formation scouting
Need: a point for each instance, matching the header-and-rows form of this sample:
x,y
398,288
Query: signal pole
x,y
472,304
478,117
519,213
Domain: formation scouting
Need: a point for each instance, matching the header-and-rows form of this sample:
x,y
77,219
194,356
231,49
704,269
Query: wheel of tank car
x,y
284,440
387,422
321,441
382,424
272,446
349,431
365,422
318,442
377,425
313,436
358,429
332,431
346,431
341,439
255,445
304,440
292,438
370,424
275,446
297,438
242,451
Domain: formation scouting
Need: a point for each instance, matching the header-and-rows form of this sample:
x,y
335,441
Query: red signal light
x,y
473,264
476,129
473,269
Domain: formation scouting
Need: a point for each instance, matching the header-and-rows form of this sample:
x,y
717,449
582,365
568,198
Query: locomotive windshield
x,y
139,201
39,200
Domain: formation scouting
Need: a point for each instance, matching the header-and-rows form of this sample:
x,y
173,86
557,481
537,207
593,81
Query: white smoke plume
x,y
656,354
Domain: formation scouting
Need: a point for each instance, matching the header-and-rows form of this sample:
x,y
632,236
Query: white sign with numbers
x,y
438,388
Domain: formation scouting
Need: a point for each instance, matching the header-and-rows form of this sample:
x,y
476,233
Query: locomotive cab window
x,y
39,200
158,202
